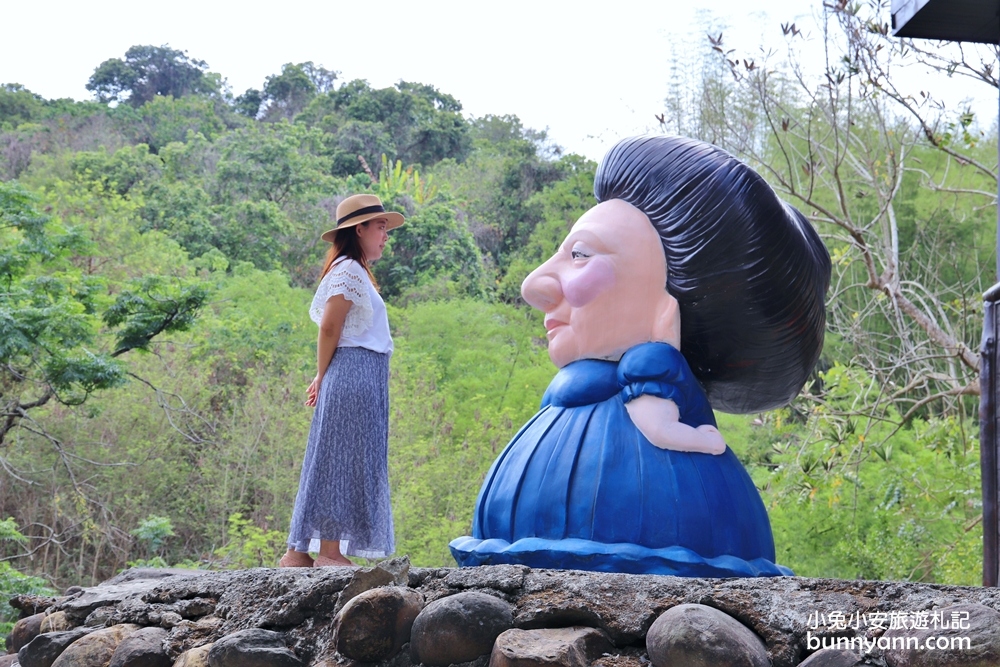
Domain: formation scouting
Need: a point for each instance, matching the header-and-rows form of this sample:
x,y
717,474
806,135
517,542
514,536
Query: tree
x,y
248,104
149,71
18,104
420,124
60,334
288,93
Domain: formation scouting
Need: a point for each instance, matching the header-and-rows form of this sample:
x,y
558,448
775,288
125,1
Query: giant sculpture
x,y
689,285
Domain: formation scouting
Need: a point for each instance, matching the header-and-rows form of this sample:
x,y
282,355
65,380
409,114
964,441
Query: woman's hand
x,y
313,391
657,419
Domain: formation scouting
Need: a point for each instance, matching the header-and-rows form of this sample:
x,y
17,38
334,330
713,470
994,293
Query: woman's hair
x,y
749,272
346,244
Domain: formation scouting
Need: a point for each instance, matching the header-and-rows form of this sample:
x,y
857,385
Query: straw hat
x,y
361,208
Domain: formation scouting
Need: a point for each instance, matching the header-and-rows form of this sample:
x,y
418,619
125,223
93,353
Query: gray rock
x,y
144,648
43,650
550,647
832,657
134,582
374,625
398,568
696,635
975,645
94,649
170,619
458,628
151,573
187,635
252,648
24,631
364,579
8,660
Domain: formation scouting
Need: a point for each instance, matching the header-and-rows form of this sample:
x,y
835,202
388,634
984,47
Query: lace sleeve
x,y
349,279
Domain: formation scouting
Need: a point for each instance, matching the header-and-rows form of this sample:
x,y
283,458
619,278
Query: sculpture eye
x,y
579,251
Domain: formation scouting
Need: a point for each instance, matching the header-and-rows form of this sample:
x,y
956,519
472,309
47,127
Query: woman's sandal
x,y
295,559
324,561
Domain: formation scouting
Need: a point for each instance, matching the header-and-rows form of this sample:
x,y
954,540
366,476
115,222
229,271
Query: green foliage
x,y
288,93
150,307
18,105
149,71
561,203
854,496
168,119
13,582
496,185
412,122
432,245
250,545
394,182
272,162
47,321
154,531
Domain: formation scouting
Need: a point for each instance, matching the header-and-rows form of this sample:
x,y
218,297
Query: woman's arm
x,y
330,328
657,419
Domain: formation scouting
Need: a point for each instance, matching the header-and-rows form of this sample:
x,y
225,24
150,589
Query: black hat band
x,y
378,208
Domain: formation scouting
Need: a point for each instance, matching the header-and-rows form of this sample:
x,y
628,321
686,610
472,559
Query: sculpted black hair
x,y
748,270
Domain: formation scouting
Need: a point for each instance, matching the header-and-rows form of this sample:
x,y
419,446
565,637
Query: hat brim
x,y
392,220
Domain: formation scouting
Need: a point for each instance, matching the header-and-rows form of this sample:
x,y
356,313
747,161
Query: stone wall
x,y
502,616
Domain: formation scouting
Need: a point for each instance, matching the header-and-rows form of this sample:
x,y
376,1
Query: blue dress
x,y
580,487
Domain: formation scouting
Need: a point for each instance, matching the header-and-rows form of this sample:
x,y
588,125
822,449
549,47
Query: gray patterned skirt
x,y
344,487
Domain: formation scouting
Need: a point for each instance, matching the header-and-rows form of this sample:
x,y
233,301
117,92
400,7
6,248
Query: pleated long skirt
x,y
344,486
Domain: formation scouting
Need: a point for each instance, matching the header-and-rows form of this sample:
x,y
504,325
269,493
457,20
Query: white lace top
x,y
367,324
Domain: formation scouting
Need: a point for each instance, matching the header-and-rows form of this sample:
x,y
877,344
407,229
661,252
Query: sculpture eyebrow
x,y
587,237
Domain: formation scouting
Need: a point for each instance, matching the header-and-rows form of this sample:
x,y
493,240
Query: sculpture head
x,y
721,268
604,290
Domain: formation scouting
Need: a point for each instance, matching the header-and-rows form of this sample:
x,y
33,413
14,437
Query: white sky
x,y
589,72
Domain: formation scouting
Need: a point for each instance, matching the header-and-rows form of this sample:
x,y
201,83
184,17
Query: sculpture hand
x,y
657,419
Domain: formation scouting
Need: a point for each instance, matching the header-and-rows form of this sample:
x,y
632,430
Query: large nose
x,y
542,289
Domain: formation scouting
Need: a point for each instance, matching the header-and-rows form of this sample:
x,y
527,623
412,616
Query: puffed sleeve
x,y
659,369
347,278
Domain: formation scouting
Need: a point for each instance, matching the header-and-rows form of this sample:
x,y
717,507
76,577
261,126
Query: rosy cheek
x,y
597,276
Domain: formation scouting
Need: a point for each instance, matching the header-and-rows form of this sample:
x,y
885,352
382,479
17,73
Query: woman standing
x,y
342,506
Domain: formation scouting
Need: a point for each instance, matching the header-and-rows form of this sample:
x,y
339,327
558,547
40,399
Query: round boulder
x,y
252,648
375,624
43,650
94,649
965,636
832,657
56,622
196,657
458,628
695,635
144,648
24,631
555,647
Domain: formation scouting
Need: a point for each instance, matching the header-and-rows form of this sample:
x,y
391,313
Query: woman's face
x,y
372,236
604,290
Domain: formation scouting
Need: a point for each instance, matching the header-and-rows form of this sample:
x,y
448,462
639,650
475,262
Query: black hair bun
x,y
748,270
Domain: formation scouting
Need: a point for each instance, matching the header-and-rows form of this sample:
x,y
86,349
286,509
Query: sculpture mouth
x,y
551,324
